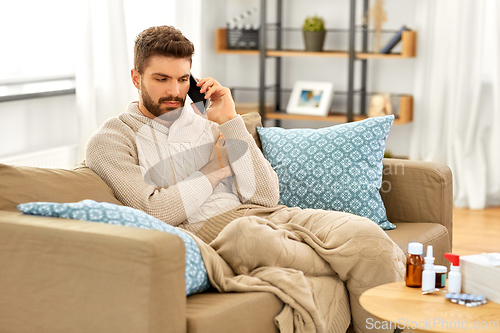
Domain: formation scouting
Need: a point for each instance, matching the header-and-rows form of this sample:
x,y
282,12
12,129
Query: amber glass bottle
x,y
414,265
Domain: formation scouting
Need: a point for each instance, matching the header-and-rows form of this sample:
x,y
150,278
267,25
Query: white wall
x,y
36,124
140,15
384,75
213,17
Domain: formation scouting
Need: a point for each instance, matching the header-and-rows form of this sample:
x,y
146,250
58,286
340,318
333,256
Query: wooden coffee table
x,y
407,308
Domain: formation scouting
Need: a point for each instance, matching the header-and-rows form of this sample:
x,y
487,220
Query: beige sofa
x,y
60,275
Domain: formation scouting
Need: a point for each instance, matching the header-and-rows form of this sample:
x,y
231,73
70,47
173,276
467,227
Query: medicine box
x,y
481,275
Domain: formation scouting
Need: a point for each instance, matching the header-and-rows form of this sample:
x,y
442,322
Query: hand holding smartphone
x,y
221,107
196,96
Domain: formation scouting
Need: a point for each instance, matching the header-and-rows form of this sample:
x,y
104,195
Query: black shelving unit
x,y
355,43
351,59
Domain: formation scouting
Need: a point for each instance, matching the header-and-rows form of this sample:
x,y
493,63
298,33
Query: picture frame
x,y
310,98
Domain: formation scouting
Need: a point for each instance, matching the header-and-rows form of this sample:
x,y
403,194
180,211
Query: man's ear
x,y
136,78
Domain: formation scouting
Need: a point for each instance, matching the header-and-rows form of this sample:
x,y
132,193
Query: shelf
x,y
300,53
339,118
404,115
331,117
408,50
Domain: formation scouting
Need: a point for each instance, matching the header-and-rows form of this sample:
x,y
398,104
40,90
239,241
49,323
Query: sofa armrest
x,y
60,275
416,191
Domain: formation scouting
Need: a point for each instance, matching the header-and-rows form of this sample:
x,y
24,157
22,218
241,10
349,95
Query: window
x,y
38,39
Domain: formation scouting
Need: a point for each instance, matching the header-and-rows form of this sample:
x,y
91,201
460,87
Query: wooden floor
x,y
476,231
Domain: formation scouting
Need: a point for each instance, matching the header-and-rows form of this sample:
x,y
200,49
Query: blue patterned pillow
x,y
89,210
334,168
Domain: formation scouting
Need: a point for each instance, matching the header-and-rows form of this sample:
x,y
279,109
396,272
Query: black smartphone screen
x,y
196,96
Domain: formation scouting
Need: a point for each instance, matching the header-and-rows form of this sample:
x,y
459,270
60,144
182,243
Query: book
x,y
481,274
394,41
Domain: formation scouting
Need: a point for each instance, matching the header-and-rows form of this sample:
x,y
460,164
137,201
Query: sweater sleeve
x,y
256,181
112,154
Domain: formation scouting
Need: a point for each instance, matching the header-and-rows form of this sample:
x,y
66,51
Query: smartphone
x,y
196,96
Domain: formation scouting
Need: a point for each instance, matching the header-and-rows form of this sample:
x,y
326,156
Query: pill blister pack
x,y
469,300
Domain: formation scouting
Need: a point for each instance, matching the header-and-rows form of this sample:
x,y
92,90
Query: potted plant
x,y
314,33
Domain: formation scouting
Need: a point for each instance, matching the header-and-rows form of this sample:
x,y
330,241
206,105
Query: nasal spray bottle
x,y
454,277
428,275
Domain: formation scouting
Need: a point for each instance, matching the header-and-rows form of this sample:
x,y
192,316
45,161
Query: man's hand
x,y
221,108
218,166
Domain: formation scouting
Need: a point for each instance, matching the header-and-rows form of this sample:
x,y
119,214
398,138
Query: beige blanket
x,y
306,258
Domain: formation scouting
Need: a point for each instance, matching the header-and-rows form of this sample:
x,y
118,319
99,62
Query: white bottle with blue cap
x,y
428,275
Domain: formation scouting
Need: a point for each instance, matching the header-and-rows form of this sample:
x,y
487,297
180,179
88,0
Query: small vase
x,y
314,40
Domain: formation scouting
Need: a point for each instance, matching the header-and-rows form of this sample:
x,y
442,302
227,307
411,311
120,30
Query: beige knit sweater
x,y
155,168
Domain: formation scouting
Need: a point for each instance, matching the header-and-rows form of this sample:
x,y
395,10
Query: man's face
x,y
163,86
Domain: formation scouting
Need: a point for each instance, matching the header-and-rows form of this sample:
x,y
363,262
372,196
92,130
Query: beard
x,y
158,109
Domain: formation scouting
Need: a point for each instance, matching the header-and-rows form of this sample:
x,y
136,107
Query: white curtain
x,y
457,95
103,84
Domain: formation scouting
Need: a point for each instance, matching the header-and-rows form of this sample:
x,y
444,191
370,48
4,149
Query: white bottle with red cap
x,y
454,277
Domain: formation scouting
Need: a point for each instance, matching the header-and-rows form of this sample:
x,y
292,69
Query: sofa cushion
x,y
195,274
251,312
434,234
19,184
335,168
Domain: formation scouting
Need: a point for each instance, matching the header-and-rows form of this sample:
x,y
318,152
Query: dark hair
x,y
162,40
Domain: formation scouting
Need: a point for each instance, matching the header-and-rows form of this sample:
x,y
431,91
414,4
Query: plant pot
x,y
314,40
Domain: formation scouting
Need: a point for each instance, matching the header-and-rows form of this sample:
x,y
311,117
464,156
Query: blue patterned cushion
x,y
89,210
335,168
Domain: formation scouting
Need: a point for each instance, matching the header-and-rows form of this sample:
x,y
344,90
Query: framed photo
x,y
311,98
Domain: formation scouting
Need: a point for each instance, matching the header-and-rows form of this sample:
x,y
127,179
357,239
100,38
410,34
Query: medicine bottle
x,y
414,265
440,275
455,277
428,275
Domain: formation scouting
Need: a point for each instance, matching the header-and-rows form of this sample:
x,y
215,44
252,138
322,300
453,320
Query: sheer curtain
x,y
103,86
457,95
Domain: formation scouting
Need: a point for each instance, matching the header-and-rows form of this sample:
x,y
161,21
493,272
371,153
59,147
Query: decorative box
x,y
242,39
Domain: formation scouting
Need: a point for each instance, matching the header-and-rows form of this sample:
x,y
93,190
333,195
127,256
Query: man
x,y
209,177
169,167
